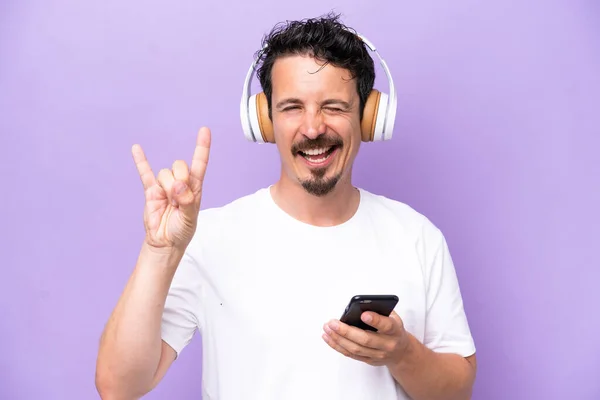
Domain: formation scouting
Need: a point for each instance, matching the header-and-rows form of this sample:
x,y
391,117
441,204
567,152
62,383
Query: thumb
x,y
184,197
398,321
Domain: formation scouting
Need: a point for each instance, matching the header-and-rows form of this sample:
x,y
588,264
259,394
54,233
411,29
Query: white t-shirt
x,y
259,285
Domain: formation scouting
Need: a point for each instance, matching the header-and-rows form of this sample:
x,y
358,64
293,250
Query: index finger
x,y
143,167
201,153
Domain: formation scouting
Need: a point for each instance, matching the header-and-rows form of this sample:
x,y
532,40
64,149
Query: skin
x,y
132,358
325,104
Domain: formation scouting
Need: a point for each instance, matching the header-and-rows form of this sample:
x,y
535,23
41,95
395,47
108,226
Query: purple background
x,y
496,141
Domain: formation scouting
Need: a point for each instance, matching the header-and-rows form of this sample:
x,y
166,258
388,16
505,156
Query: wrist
x,y
160,257
409,355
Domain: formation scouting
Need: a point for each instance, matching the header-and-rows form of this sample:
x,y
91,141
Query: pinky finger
x,y
143,167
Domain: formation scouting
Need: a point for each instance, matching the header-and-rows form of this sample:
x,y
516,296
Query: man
x,y
265,278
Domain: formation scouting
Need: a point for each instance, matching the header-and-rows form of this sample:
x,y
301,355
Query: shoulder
x,y
400,215
405,226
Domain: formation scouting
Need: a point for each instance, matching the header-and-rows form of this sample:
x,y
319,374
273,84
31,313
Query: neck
x,y
332,209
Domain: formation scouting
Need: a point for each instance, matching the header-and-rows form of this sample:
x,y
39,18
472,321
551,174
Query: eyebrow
x,y
293,100
288,101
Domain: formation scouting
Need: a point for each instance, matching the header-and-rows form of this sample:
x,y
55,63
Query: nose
x,y
313,125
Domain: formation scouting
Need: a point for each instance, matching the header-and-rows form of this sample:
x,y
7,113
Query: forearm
x,y
427,375
130,347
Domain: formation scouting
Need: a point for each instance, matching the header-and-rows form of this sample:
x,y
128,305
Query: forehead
x,y
305,77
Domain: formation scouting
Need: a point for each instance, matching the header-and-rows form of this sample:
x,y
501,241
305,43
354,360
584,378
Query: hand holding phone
x,y
382,304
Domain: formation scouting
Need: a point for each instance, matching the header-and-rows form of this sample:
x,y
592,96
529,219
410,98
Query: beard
x,y
318,184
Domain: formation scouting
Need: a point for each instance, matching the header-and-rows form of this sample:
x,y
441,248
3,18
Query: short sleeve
x,y
180,315
446,326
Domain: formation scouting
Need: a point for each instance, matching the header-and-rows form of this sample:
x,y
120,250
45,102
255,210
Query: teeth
x,y
316,152
318,160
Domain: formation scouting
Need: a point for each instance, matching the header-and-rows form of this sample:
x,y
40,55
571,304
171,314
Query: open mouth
x,y
318,156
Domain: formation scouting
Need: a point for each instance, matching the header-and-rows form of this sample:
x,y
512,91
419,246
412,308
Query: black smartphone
x,y
382,304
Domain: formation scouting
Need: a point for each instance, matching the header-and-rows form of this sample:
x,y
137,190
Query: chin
x,y
320,187
320,183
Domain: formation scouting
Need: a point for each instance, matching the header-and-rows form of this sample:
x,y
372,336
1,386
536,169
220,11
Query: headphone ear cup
x,y
374,115
369,118
254,129
265,126
381,120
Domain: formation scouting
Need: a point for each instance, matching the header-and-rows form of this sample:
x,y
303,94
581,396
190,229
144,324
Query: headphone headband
x,y
383,125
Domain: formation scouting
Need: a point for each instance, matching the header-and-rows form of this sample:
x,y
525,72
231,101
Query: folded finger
x,y
364,338
181,171
351,346
166,180
342,350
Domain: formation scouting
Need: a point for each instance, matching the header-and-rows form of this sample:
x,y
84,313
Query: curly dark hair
x,y
327,39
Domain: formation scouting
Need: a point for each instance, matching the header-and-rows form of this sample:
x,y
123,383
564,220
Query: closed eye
x,y
328,109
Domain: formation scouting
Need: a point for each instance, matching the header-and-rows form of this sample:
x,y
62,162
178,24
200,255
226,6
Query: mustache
x,y
318,143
